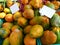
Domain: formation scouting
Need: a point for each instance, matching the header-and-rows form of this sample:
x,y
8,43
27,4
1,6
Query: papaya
x,y
36,3
1,7
6,10
36,31
2,15
4,32
34,21
16,37
24,1
7,25
56,30
55,20
29,40
28,13
48,37
42,20
22,21
6,41
9,17
56,4
17,15
9,3
27,7
49,4
27,29
16,27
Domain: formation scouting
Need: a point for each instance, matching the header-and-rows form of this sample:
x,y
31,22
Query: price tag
x,y
47,11
14,8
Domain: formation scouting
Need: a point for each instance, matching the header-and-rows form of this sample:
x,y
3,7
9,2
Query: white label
x,y
14,8
47,11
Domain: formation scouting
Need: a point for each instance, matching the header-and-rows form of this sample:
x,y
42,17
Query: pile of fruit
x,y
27,26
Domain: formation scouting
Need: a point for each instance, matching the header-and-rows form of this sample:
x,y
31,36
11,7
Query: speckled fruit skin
x,y
36,31
48,37
16,37
22,21
17,15
4,32
29,41
7,25
28,13
27,29
9,17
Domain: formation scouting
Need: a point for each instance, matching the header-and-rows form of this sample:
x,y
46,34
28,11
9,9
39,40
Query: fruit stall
x,y
29,22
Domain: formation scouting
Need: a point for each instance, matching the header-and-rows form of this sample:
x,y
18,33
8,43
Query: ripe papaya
x,y
16,38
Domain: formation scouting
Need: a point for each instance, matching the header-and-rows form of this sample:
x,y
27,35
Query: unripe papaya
x,y
6,41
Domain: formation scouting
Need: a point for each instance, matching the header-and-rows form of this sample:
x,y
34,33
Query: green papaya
x,y
55,20
51,5
56,30
4,32
42,20
6,42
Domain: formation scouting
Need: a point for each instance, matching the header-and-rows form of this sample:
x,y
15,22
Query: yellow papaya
x,y
16,37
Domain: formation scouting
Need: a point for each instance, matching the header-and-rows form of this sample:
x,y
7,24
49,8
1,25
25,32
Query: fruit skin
x,y
16,37
2,15
6,41
56,30
29,40
17,15
42,20
57,4
16,27
55,20
22,21
34,21
9,17
27,29
9,3
4,32
7,25
36,3
51,5
27,7
6,10
24,2
48,37
36,31
1,7
28,13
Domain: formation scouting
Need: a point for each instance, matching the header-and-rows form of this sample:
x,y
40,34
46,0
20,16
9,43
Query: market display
x,y
27,26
